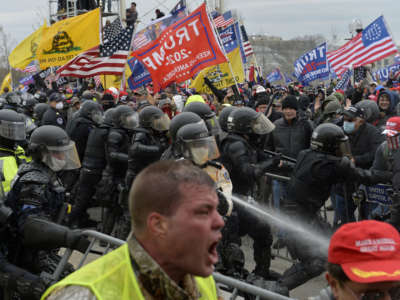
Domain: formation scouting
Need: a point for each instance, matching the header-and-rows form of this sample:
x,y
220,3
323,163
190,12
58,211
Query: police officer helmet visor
x,y
262,125
161,124
97,117
202,150
29,125
130,121
13,98
62,157
12,130
213,126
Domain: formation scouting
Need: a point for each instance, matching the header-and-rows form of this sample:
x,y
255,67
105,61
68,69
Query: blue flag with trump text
x,y
275,75
312,65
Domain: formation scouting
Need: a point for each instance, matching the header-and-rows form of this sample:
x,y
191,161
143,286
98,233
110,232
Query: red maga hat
x,y
368,251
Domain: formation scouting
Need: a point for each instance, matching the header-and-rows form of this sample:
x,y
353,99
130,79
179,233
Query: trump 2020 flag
x,y
182,50
275,75
383,74
312,65
372,44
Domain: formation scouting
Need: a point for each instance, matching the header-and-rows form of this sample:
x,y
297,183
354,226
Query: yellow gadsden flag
x,y
6,83
25,52
221,75
67,38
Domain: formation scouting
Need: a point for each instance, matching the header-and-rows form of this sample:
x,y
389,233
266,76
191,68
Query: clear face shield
x,y
213,126
13,99
130,121
202,150
344,148
97,117
13,130
161,124
62,158
262,125
29,125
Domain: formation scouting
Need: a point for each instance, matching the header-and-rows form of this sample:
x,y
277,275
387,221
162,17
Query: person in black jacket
x,y
93,164
364,140
245,164
149,141
53,115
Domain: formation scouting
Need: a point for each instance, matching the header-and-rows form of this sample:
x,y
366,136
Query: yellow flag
x,y
25,52
115,80
221,75
6,83
67,38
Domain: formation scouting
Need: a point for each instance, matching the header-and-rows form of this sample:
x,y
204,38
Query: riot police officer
x,y
36,198
38,112
12,131
149,141
204,111
90,116
317,169
245,163
125,120
172,152
13,101
53,115
93,164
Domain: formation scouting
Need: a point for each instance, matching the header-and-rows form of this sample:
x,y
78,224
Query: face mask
x,y
59,105
348,127
57,164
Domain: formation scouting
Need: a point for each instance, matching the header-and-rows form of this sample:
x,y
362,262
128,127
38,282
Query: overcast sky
x,y
285,18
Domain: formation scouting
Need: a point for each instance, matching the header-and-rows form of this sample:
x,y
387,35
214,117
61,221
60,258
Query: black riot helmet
x,y
13,98
223,117
195,143
39,110
41,97
154,118
108,116
91,110
12,125
370,108
125,117
245,120
181,120
204,111
330,138
52,146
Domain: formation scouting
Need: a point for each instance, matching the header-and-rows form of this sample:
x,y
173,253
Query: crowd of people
x,y
66,149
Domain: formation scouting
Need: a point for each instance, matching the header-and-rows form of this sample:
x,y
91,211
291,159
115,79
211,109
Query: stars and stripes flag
x,y
108,59
248,49
97,80
111,31
31,68
372,44
223,20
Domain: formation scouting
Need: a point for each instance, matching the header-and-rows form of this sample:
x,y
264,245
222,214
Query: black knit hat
x,y
290,102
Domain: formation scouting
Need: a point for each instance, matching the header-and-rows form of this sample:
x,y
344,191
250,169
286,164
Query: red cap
x,y
368,251
392,126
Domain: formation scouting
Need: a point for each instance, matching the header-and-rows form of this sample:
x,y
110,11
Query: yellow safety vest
x,y
111,277
10,165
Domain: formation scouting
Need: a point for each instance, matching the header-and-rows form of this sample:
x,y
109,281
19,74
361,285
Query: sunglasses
x,y
376,295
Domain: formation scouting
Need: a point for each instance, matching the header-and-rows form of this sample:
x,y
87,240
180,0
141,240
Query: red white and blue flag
x,y
223,20
247,48
31,68
372,44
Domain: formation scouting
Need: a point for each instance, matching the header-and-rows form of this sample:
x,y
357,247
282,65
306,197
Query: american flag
x,y
223,20
108,59
248,49
111,31
140,40
31,68
97,80
372,44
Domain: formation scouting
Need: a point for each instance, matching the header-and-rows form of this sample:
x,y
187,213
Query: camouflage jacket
x,y
155,284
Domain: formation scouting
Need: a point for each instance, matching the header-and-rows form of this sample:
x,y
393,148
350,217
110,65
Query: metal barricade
x,y
226,283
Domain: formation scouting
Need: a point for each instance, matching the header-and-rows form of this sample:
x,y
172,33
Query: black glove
x,y
75,240
264,166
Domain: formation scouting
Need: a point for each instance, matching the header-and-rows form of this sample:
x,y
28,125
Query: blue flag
x,y
140,76
383,74
288,79
312,65
344,81
275,75
229,38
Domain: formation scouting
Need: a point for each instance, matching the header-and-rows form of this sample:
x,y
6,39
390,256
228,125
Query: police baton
x,y
284,157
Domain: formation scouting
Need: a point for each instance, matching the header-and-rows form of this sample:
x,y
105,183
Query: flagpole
x,y
222,47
